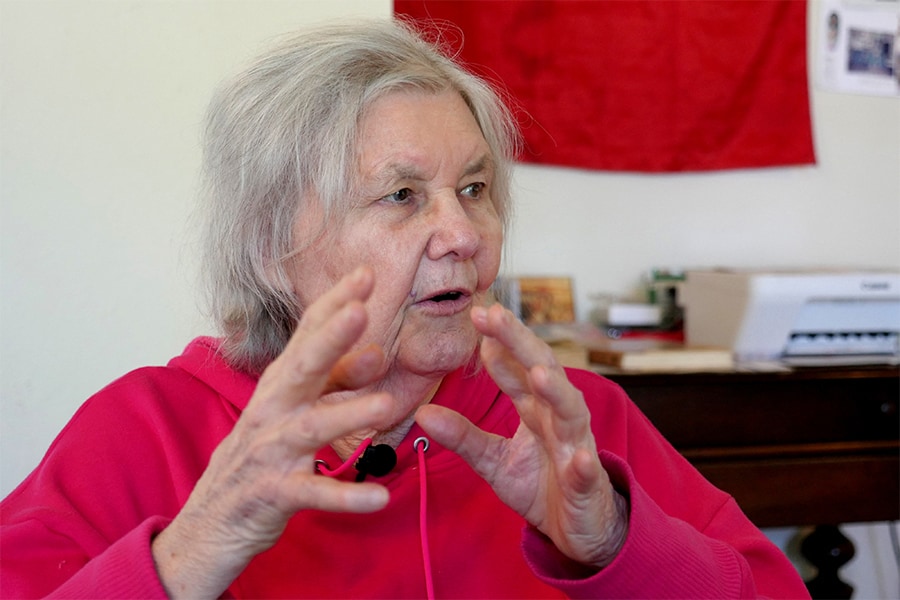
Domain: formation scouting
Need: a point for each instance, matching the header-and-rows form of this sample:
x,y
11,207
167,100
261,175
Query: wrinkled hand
x,y
549,471
263,471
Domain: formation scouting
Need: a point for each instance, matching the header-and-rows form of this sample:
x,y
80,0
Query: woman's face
x,y
424,220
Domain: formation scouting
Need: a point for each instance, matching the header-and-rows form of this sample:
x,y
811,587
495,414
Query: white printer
x,y
798,317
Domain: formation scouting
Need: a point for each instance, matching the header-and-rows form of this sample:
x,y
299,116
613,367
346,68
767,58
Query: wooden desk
x,y
814,446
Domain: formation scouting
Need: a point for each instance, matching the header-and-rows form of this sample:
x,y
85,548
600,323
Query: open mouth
x,y
447,296
446,302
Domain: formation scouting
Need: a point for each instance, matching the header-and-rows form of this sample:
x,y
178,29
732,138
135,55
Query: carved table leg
x,y
827,549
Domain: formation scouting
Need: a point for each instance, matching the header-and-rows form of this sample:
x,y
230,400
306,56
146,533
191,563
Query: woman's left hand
x,y
549,471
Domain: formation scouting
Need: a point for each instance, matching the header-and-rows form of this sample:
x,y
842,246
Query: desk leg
x,y
827,549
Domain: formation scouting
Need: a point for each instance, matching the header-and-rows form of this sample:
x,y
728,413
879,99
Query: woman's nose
x,y
453,232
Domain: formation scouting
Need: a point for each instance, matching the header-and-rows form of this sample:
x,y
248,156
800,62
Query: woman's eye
x,y
474,190
401,196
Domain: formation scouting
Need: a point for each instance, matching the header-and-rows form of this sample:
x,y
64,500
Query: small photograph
x,y
834,28
870,52
544,299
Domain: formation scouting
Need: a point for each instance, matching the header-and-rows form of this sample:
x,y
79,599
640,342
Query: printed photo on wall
x,y
859,47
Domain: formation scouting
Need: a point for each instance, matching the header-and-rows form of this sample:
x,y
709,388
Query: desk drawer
x,y
812,491
809,447
713,410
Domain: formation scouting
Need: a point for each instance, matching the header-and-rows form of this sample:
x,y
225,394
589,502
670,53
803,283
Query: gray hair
x,y
283,133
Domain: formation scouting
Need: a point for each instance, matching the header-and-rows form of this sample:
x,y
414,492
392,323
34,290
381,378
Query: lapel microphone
x,y
376,461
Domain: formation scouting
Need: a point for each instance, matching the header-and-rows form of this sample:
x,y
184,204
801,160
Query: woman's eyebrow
x,y
394,172
483,163
397,171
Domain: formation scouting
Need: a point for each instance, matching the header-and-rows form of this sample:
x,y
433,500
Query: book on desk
x,y
586,347
654,355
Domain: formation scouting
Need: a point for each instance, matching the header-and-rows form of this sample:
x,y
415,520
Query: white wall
x,y
99,111
99,128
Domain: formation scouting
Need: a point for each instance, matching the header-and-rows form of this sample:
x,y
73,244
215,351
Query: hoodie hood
x,y
203,361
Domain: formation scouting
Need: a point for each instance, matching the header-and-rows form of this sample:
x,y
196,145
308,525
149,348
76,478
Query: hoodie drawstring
x,y
420,445
423,514
322,466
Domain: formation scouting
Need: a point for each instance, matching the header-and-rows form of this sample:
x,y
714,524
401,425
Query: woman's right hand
x,y
263,471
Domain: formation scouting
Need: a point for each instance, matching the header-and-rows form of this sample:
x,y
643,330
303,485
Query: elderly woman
x,y
368,425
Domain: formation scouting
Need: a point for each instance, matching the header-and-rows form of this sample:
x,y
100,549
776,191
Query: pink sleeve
x,y
43,559
82,522
664,557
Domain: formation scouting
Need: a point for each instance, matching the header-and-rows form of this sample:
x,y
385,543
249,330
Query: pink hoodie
x,y
81,524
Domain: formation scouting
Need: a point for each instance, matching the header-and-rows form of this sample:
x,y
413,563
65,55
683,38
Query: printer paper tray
x,y
838,360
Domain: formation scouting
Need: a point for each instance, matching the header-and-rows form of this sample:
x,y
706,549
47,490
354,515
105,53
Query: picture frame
x,y
538,300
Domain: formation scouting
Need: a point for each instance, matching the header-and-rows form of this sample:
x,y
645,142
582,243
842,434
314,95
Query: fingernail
x,y
361,275
378,498
479,313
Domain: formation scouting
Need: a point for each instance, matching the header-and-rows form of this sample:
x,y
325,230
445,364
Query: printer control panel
x,y
843,343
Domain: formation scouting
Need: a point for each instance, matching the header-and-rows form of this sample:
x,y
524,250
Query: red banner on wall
x,y
643,85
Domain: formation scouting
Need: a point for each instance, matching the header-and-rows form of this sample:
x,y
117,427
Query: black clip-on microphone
x,y
376,461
